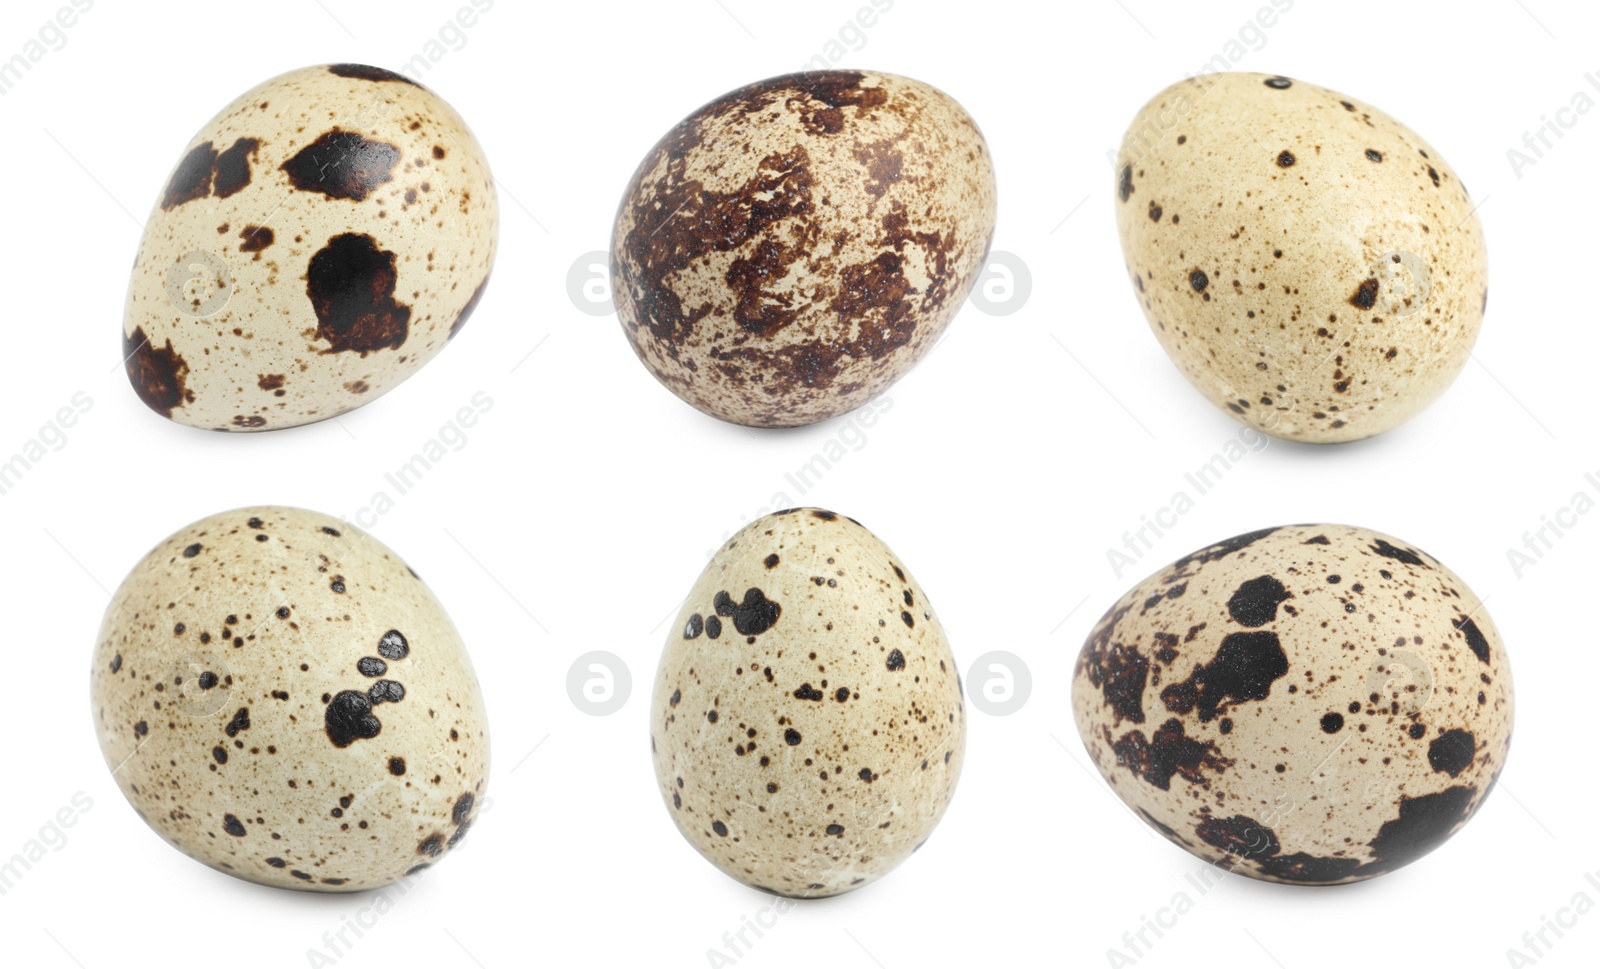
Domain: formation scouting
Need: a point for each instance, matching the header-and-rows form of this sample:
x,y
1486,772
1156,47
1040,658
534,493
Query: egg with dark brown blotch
x,y
1311,704
807,723
794,247
1312,266
319,240
279,696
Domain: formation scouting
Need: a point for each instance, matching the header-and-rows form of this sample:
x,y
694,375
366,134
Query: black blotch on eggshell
x,y
468,309
351,285
157,375
366,72
393,645
342,165
1452,752
1255,603
1244,669
752,617
349,718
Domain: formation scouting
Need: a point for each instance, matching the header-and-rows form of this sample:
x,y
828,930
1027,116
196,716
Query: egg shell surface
x,y
807,723
794,247
1312,704
1311,265
280,697
318,241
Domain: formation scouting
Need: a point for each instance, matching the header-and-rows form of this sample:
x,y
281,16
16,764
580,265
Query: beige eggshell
x,y
319,240
807,723
794,247
1309,263
280,697
1312,704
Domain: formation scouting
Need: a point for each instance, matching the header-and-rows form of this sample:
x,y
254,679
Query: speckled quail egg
x,y
807,723
1313,704
1310,264
793,248
280,697
319,240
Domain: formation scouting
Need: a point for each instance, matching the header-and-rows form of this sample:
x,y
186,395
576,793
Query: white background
x,y
588,496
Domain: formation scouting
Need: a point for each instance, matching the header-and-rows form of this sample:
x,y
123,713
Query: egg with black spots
x,y
296,711
807,721
791,249
1311,265
1311,704
319,241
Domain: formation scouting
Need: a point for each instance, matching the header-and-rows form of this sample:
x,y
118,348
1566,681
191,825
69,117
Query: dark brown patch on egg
x,y
1424,824
821,96
233,168
157,375
205,172
1244,669
351,283
256,238
752,617
365,72
1452,752
1255,603
192,178
467,310
342,165
349,718
1406,555
1168,753
1366,295
1476,641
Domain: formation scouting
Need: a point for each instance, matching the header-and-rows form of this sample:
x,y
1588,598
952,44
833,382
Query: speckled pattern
x,y
807,724
279,696
1309,263
1313,704
336,226
793,248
